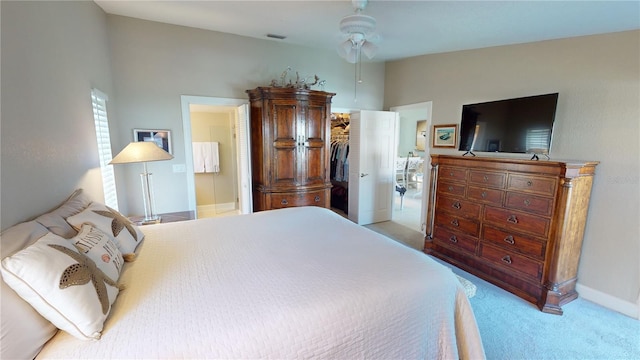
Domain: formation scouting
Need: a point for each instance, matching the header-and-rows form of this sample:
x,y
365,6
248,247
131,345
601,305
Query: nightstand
x,y
166,218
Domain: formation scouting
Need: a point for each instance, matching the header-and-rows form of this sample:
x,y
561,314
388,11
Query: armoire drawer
x,y
485,195
529,203
487,178
512,261
283,200
514,241
458,223
452,173
535,184
456,206
517,221
455,240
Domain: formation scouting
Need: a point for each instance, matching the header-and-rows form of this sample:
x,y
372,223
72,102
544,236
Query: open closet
x,y
339,162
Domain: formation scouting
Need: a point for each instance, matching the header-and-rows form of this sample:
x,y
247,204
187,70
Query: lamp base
x,y
151,220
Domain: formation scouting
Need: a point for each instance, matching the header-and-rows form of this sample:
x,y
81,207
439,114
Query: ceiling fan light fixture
x,y
369,49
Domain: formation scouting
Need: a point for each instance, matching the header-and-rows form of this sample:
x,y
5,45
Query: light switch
x,y
179,168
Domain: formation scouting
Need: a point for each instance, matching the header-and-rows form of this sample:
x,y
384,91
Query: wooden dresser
x,y
290,134
515,223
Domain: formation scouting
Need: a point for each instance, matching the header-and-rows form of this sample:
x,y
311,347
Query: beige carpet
x,y
413,239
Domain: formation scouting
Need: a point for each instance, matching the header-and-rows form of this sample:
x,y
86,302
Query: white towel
x,y
205,157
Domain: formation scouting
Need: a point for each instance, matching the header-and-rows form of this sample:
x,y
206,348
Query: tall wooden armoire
x,y
290,134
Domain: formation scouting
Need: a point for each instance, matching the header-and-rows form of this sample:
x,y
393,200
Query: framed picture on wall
x,y
445,136
421,135
161,137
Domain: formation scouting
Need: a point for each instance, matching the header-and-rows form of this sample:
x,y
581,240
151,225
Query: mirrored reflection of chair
x,y
413,173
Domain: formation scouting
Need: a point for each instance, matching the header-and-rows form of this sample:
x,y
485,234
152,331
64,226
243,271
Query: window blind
x,y
99,102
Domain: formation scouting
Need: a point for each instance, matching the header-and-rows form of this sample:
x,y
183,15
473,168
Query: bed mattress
x,y
291,283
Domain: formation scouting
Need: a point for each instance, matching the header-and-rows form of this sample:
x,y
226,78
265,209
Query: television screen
x,y
520,125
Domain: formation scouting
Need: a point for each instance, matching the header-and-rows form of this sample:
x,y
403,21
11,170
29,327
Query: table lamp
x,y
144,152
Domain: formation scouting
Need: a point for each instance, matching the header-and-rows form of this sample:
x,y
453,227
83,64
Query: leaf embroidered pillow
x,y
128,236
64,286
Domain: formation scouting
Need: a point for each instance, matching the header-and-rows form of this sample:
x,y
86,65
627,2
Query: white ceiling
x,y
406,28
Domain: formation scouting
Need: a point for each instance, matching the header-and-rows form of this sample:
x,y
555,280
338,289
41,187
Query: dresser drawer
x,y
452,173
529,203
517,221
458,223
457,206
284,200
535,184
487,178
489,196
512,261
514,242
447,187
455,240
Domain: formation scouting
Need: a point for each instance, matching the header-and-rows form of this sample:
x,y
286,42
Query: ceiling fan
x,y
360,31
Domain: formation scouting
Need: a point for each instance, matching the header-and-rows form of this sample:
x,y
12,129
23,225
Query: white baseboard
x,y
610,302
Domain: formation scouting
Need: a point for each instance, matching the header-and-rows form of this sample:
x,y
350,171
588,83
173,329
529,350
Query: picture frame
x,y
445,136
162,138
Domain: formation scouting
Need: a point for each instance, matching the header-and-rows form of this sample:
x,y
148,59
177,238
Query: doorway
x,y
216,155
412,169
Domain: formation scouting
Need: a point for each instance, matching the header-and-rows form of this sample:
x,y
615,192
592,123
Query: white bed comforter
x,y
288,284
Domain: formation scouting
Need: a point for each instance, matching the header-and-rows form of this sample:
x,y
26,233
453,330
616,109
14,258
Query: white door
x,y
371,166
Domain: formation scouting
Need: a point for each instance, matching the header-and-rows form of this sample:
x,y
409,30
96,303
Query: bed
x,y
287,284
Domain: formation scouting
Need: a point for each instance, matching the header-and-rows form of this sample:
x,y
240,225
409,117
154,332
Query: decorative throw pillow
x,y
128,236
54,220
101,248
64,286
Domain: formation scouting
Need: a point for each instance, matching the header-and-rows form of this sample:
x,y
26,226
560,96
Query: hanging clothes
x,y
206,158
339,170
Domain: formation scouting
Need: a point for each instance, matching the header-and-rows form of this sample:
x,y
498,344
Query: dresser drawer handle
x,y
284,202
453,239
509,240
451,173
456,205
527,202
485,178
455,223
506,259
529,183
317,198
484,194
512,219
450,188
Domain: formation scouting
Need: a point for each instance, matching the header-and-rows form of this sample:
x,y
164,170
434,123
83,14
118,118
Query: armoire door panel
x,y
284,169
284,124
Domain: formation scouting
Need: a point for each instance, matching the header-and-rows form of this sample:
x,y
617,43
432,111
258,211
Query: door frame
x,y
426,173
186,101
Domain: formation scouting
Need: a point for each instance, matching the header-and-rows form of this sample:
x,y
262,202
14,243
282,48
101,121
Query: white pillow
x,y
128,236
101,248
64,286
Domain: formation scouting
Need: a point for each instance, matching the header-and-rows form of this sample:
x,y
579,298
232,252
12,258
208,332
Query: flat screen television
x,y
519,125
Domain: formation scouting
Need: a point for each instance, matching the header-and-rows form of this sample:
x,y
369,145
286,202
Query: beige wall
x,y
598,78
52,55
216,188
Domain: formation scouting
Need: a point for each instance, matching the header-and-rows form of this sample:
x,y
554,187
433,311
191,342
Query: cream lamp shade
x,y
142,151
